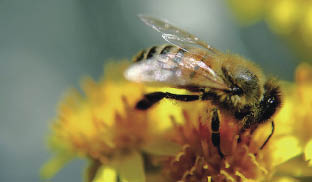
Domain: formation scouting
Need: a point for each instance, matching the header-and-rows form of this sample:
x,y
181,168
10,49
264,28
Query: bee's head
x,y
271,101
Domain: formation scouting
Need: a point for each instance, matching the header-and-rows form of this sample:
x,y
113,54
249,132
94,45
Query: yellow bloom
x,y
296,116
172,140
280,160
200,161
291,19
105,127
291,143
283,15
248,11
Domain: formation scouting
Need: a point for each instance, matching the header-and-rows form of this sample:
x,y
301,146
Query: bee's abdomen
x,y
166,49
154,51
140,56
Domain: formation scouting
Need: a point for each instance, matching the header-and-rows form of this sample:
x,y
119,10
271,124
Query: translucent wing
x,y
176,36
165,69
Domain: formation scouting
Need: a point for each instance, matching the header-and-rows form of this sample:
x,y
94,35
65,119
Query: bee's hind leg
x,y
149,100
152,98
215,135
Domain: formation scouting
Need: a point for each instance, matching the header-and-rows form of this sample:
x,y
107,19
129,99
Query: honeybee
x,y
230,82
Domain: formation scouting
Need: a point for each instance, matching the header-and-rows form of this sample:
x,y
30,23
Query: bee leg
x,y
266,141
152,98
149,99
215,135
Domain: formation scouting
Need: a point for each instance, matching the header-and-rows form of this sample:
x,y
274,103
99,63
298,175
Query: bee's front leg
x,y
266,141
215,128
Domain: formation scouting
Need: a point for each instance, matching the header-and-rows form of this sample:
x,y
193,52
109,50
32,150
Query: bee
x,y
232,83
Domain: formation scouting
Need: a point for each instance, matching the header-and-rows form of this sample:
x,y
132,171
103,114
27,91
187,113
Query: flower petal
x,y
162,147
130,167
92,170
295,167
308,153
50,168
105,174
284,149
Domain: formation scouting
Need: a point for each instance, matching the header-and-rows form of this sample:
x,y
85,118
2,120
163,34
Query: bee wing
x,y
176,36
166,70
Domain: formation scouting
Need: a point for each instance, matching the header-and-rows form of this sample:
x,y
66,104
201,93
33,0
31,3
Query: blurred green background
x,y
47,46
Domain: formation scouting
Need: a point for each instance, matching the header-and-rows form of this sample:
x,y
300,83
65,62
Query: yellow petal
x,y
295,167
105,174
284,149
282,15
130,167
285,179
162,147
50,168
308,153
92,170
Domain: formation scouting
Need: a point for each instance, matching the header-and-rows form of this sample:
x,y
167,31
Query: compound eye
x,y
237,91
271,100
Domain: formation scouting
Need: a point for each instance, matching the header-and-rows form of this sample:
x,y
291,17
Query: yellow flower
x,y
248,11
296,116
172,140
280,160
105,127
200,160
283,15
291,19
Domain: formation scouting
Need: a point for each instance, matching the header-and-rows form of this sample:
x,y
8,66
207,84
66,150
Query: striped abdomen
x,y
158,50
